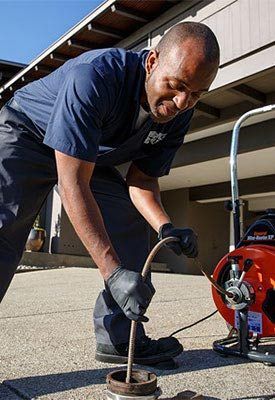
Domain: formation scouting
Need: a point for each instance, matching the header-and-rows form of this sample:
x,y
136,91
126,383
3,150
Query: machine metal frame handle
x,y
233,166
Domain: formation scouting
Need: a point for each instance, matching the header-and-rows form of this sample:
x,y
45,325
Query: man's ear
x,y
152,61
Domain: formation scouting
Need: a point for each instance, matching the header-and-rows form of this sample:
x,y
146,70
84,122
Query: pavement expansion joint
x,y
200,336
177,301
18,393
46,313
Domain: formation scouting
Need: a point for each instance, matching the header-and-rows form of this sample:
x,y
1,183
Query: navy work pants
x,y
27,175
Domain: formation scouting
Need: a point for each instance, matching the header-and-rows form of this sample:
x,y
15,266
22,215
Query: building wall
x,y
241,26
244,28
211,223
69,242
63,238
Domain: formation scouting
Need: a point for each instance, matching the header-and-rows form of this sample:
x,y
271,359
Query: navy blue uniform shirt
x,y
88,109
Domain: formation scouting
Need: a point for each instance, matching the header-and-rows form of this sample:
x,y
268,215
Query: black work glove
x,y
130,292
187,244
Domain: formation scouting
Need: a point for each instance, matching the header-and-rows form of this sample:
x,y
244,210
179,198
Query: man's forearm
x,y
87,221
147,200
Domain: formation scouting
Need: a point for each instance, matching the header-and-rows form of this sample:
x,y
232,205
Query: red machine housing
x,y
257,246
261,277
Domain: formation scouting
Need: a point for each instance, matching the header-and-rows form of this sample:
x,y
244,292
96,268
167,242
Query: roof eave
x,y
99,10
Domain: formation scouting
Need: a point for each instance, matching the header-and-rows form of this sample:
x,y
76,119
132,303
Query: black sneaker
x,y
147,351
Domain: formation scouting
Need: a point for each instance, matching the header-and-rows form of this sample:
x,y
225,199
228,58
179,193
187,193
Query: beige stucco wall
x,y
69,242
211,223
244,28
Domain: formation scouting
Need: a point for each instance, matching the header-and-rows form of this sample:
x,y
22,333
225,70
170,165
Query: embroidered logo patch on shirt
x,y
154,137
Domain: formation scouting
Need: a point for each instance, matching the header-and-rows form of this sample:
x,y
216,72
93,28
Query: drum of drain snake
x,y
260,279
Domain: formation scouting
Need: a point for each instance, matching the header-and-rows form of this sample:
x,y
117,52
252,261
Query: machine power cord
x,y
194,323
214,283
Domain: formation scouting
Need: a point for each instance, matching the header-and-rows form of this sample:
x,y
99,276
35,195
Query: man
x,y
101,109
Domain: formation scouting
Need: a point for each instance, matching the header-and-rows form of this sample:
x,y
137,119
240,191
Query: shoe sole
x,y
159,358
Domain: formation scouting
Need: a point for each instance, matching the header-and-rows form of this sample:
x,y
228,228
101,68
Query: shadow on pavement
x,y
189,395
192,360
196,360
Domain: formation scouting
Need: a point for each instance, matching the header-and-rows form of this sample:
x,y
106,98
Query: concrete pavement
x,y
47,340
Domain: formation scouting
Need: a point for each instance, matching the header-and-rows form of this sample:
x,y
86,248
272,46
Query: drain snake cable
x,y
144,272
217,287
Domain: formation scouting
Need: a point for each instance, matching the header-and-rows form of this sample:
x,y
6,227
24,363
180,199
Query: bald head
x,y
180,70
203,35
